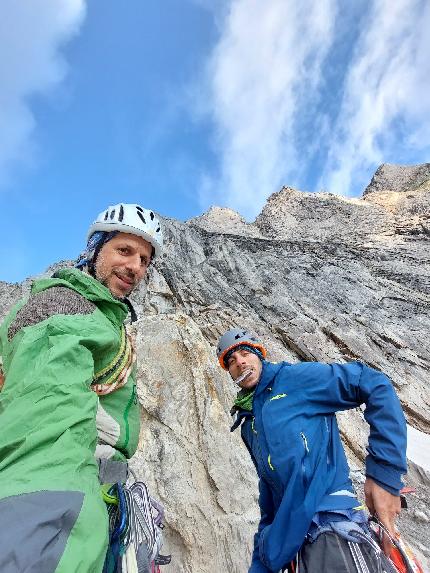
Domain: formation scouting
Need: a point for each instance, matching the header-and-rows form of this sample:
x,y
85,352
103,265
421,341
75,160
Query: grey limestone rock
x,y
299,216
188,456
223,220
398,178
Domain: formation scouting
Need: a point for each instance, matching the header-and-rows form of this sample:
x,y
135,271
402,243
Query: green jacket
x,y
66,336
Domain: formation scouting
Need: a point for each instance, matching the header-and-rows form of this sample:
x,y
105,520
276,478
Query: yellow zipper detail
x,y
277,397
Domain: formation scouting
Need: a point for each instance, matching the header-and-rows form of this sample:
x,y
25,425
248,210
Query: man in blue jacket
x,y
310,515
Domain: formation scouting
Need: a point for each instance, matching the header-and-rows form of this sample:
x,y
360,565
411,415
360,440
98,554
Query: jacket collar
x,y
268,374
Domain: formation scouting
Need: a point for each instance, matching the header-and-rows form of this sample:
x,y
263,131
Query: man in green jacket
x,y
68,402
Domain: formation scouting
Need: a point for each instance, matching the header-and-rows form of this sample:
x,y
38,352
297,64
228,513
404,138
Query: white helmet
x,y
130,218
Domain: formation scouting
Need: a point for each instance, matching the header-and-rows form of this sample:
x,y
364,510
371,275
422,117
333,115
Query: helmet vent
x,y
121,213
130,217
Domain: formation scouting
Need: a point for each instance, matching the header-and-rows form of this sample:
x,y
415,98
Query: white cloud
x,y
275,63
388,83
266,65
31,36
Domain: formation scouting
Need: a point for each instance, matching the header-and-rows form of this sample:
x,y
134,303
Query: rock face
x,y
398,178
405,193
223,220
204,480
319,277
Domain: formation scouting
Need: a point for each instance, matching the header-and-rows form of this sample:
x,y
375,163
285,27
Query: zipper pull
x,y
305,442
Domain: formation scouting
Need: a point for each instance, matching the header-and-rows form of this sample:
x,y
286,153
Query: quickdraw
x,y
135,525
401,555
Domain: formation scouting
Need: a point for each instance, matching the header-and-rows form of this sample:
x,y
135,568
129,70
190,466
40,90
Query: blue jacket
x,y
293,438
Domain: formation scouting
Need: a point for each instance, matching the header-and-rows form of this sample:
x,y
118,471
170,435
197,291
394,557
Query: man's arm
x,y
47,346
48,409
344,386
47,412
383,504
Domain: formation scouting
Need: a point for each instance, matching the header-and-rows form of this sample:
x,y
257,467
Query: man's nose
x,y
133,263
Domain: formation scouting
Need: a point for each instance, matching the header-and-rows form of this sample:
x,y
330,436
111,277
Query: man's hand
x,y
385,505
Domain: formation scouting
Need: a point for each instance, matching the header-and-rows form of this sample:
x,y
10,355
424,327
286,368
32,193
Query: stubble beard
x,y
103,278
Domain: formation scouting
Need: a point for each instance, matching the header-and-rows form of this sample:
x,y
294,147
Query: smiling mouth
x,y
125,280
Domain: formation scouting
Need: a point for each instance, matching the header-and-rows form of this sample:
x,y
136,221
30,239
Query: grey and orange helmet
x,y
237,337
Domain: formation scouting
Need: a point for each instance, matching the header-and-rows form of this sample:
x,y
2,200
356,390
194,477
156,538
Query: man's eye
x,y
123,250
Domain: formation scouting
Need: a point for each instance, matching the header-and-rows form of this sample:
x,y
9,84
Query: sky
x,y
183,104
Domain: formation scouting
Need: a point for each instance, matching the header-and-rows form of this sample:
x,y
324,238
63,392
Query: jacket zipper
x,y
132,399
306,453
305,442
267,475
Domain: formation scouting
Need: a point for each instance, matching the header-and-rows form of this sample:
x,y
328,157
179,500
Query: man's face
x,y
122,263
243,360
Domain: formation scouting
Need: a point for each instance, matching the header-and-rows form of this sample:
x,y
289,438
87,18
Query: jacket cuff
x,y
385,476
257,566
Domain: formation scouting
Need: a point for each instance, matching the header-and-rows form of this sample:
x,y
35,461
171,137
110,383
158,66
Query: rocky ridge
x,y
319,277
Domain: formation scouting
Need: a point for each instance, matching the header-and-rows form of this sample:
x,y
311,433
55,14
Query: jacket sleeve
x,y
47,408
267,515
48,474
334,387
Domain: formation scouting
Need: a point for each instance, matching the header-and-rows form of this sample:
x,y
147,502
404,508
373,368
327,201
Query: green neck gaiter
x,y
244,400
